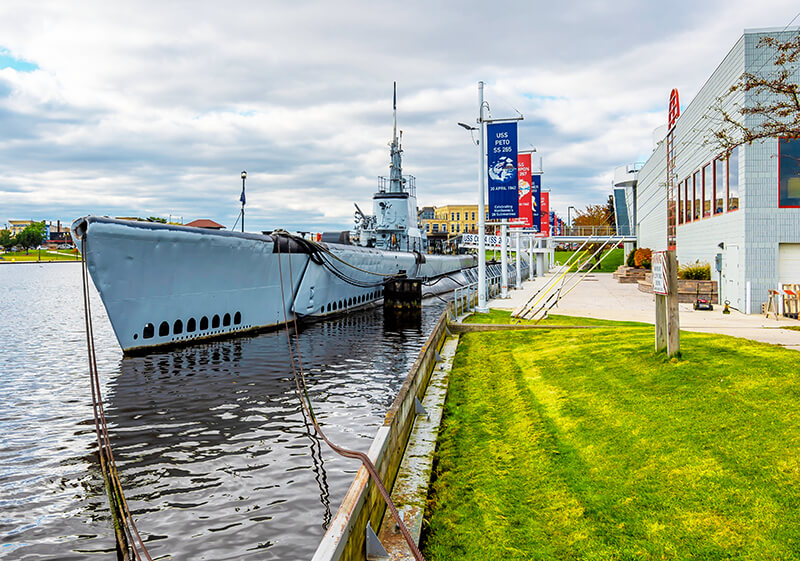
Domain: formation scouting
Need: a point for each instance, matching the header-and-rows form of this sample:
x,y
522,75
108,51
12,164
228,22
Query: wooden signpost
x,y
665,289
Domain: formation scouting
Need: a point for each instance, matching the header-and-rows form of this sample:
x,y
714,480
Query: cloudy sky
x,y
154,108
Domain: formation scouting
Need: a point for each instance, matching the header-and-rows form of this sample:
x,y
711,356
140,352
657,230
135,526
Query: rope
x,y
107,463
305,402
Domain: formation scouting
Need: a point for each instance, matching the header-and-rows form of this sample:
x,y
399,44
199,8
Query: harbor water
x,y
215,456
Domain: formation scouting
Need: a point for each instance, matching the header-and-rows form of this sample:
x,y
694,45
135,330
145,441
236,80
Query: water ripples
x,y
214,452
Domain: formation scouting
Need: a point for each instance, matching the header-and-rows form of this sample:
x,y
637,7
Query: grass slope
x,y
610,264
577,445
504,317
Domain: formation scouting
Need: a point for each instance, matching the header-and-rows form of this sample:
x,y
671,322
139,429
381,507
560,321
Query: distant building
x,y
445,223
17,226
205,223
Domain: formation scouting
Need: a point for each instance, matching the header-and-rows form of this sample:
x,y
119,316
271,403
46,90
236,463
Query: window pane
x,y
688,198
733,179
707,190
719,186
698,194
681,201
789,180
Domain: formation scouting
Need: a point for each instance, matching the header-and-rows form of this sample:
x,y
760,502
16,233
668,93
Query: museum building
x,y
737,210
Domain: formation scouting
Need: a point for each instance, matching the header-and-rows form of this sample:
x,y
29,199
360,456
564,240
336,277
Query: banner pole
x,y
504,260
482,307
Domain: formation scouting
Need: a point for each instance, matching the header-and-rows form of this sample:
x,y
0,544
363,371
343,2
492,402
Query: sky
x,y
154,108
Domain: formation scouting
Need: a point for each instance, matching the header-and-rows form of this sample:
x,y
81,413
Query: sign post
x,y
665,289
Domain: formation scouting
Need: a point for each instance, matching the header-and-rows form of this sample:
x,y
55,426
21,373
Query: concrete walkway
x,y
601,296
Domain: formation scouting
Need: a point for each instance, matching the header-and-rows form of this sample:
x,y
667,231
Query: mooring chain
x,y
107,463
305,403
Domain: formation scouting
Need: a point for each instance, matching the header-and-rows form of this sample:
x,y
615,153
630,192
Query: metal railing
x,y
465,298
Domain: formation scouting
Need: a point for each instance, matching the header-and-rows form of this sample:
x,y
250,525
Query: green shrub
x,y
695,271
631,260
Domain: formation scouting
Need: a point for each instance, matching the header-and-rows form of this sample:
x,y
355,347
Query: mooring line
x,y
107,463
305,402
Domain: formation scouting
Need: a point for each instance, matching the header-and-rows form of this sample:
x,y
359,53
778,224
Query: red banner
x,y
524,191
544,224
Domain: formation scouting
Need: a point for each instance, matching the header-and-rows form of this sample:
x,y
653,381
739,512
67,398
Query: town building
x,y
737,210
206,223
17,226
442,225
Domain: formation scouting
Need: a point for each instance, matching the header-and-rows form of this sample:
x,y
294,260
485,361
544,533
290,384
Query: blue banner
x,y
503,181
536,200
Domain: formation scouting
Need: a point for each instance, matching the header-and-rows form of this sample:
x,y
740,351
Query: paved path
x,y
601,296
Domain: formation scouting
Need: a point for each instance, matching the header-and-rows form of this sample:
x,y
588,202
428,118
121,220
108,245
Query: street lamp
x,y
569,220
242,198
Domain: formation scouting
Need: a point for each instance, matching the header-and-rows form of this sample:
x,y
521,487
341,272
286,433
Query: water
x,y
214,453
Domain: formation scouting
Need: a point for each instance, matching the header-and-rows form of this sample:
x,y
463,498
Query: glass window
x,y
719,186
789,171
452,216
473,216
458,216
177,327
688,198
681,201
191,325
458,227
697,194
733,179
707,190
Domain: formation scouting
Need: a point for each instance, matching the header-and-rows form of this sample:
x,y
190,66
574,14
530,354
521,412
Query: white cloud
x,y
143,108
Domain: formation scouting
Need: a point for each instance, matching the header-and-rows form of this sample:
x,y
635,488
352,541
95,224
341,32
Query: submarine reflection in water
x,y
214,451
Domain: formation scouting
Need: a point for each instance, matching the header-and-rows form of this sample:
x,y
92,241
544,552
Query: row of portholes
x,y
360,299
149,330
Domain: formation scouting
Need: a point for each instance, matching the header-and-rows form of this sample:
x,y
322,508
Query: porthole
x,y
177,327
149,331
135,336
329,306
226,320
237,318
215,322
203,323
191,325
163,329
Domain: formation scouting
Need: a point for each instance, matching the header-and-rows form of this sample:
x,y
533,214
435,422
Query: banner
x,y
544,220
502,156
524,191
536,201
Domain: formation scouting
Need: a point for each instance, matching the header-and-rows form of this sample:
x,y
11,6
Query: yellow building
x,y
17,226
452,220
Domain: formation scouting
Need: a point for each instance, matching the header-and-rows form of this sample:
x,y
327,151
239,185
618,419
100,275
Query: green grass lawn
x,y
586,445
610,264
35,254
504,317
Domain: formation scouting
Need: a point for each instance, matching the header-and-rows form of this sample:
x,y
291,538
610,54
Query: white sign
x,y
471,240
659,267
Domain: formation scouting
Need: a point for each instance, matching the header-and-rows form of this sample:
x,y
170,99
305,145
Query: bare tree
x,y
772,107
